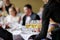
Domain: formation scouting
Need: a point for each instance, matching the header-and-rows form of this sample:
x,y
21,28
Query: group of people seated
x,y
14,15
11,14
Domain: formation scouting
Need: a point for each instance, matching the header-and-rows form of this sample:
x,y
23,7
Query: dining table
x,y
20,32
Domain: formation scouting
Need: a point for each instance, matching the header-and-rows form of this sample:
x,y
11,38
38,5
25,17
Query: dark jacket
x,y
33,16
51,10
4,34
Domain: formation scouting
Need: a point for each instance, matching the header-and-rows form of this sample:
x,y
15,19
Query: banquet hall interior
x,y
22,19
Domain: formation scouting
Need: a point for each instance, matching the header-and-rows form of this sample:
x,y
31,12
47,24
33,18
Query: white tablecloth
x,y
19,34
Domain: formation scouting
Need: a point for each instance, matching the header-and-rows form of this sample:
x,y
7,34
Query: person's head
x,y
45,1
18,10
27,9
6,2
12,11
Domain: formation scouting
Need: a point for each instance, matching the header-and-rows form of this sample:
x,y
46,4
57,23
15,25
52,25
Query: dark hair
x,y
28,6
14,9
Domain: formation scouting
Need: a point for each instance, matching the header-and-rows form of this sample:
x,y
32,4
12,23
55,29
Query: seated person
x,y
29,14
7,5
12,18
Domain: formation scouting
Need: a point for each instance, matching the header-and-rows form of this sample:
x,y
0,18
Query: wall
x,y
36,4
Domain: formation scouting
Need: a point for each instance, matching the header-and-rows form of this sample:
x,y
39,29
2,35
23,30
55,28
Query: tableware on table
x,y
34,25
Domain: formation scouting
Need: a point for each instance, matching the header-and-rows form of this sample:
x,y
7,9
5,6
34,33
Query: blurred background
x,y
36,4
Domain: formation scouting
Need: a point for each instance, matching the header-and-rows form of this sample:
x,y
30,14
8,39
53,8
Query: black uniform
x,y
51,10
